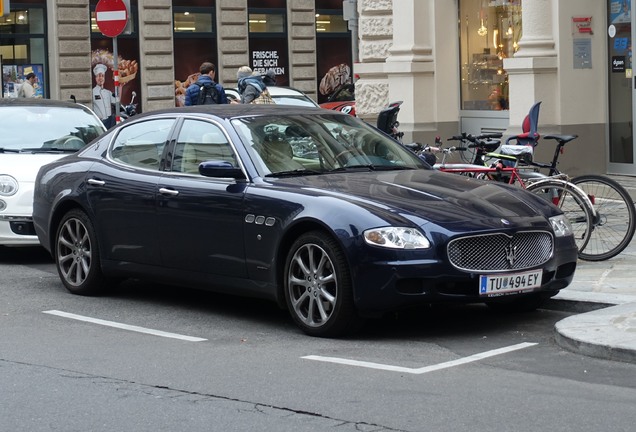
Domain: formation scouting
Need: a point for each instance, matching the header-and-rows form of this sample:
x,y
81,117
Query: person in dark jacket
x,y
269,77
249,86
208,72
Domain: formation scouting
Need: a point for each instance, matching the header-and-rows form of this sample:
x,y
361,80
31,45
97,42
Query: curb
x,y
608,333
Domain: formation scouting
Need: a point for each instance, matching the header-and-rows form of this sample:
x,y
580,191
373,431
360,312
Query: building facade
x,y
457,65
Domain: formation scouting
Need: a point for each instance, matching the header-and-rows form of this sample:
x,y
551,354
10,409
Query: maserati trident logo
x,y
511,254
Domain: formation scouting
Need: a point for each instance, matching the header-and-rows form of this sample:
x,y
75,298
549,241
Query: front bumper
x,y
390,285
17,231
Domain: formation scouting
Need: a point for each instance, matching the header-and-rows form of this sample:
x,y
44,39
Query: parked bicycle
x,y
614,225
572,200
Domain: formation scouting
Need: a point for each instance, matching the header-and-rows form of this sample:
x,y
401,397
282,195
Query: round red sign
x,y
111,17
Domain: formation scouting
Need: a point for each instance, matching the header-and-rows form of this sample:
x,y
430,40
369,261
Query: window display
x,y
489,32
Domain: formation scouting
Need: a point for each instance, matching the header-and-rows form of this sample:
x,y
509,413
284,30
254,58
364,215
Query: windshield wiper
x,y
292,173
8,150
49,149
372,167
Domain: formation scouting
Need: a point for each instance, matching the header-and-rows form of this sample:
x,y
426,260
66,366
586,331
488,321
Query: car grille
x,y
501,252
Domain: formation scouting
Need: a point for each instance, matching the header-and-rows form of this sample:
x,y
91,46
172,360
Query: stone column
x,y
422,67
232,39
375,31
156,60
301,21
70,50
532,72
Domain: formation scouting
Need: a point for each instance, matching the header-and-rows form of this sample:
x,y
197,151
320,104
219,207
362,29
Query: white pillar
x,y
532,72
422,68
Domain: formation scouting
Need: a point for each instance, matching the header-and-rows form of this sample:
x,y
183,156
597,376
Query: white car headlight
x,y
561,226
8,185
397,238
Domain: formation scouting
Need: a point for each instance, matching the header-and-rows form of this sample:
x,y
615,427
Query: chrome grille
x,y
501,252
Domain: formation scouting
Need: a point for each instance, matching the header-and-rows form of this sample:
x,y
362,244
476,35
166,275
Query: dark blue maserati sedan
x,y
313,209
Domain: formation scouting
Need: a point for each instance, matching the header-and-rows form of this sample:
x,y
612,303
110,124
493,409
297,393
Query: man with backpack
x,y
205,91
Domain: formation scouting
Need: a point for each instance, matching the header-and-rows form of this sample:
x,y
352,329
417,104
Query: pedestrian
x,y
205,90
252,88
27,89
269,77
103,98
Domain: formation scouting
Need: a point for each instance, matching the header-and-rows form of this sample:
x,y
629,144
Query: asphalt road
x,y
157,358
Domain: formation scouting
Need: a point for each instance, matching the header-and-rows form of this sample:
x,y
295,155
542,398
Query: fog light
x,y
3,205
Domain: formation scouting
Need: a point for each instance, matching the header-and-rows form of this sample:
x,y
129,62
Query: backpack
x,y
208,94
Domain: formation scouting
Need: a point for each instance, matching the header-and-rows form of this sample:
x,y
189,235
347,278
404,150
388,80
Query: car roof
x,y
227,111
39,102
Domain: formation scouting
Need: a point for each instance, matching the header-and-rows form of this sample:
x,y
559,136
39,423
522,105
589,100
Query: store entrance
x,y
621,88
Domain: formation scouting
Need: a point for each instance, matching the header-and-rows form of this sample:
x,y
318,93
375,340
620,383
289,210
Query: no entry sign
x,y
111,17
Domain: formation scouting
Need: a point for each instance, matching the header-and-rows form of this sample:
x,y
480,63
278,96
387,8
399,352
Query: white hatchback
x,y
35,132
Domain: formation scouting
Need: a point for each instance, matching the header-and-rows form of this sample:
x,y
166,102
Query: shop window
x,y
333,52
192,22
489,32
23,48
194,40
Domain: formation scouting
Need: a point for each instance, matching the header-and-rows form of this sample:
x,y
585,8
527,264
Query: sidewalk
x,y
605,293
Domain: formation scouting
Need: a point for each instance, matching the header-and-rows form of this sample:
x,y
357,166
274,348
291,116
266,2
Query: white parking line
x,y
426,369
124,326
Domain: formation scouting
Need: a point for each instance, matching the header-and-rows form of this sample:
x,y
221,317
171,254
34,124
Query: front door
x,y
621,87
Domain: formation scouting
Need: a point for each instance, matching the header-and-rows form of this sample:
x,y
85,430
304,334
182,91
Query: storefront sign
x,y
618,64
582,25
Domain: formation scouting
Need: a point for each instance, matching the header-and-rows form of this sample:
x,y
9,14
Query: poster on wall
x,y
102,63
334,65
266,54
621,12
188,59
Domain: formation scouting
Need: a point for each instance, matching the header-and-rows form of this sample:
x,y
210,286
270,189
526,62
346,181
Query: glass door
x,y
620,87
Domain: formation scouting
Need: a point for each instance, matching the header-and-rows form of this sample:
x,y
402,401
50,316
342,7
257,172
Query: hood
x,y
25,166
442,198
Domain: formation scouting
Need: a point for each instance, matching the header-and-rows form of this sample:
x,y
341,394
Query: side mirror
x,y
220,169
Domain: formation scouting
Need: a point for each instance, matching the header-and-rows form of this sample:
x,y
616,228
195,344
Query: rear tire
x,y
613,229
77,255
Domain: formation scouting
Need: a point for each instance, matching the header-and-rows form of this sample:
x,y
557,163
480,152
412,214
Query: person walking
x,y
27,90
205,91
252,88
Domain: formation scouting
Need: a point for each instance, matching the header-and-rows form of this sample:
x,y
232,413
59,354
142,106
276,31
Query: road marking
x,y
425,369
124,326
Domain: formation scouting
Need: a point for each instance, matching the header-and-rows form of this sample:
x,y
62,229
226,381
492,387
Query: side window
x,y
142,144
200,141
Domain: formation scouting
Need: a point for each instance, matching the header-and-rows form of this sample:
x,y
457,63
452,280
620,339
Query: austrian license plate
x,y
494,285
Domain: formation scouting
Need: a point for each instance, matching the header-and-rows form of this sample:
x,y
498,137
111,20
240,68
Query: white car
x,y
33,133
281,95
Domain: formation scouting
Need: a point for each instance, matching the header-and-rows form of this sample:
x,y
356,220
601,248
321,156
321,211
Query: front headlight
x,y
561,226
397,238
8,185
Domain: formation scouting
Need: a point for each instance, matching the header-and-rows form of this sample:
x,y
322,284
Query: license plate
x,y
495,285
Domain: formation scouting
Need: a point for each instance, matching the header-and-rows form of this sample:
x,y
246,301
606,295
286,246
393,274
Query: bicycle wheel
x,y
572,203
613,229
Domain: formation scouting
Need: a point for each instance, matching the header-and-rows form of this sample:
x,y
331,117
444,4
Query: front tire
x,y
318,287
77,256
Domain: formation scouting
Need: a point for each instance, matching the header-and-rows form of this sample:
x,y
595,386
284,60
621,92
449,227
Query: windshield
x,y
320,143
45,128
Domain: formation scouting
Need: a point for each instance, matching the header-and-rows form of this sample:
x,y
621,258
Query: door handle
x,y
95,182
166,191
